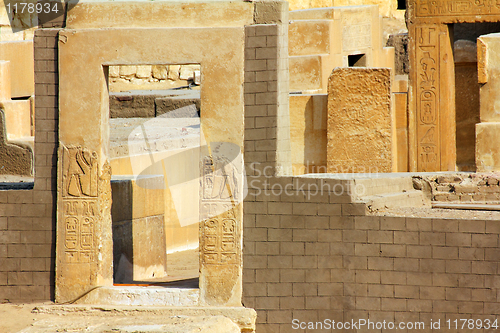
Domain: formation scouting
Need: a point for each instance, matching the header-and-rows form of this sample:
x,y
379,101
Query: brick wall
x,y
27,217
319,257
267,122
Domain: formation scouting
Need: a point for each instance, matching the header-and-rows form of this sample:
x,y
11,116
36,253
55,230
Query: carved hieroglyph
x,y
433,8
220,239
81,195
80,188
427,77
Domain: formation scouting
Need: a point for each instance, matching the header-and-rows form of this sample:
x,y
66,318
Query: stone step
x,y
383,185
135,295
412,198
244,318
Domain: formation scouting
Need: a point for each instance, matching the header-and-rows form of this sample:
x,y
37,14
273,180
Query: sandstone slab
x,y
361,126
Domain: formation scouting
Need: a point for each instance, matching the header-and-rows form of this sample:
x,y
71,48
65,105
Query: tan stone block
x,y
173,72
305,73
114,71
5,79
143,71
21,58
359,106
487,143
308,37
92,15
128,70
17,118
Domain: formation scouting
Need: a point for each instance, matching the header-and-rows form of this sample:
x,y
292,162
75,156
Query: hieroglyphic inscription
x,y
80,205
356,36
220,228
430,8
427,47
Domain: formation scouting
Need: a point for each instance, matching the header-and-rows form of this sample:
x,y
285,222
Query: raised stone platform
x,y
156,319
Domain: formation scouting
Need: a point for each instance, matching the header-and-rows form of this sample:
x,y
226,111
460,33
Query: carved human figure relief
x,y
80,172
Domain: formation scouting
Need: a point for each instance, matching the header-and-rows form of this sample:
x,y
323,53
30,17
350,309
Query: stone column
x,y
488,130
431,98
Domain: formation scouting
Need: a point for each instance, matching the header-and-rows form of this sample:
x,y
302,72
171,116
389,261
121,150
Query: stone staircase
x,y
380,192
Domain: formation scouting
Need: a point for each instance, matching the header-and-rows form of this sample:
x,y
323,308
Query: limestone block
x,y
155,15
308,119
305,73
173,72
488,147
128,70
360,121
143,71
197,77
489,62
309,37
186,72
5,87
20,55
114,71
17,118
160,72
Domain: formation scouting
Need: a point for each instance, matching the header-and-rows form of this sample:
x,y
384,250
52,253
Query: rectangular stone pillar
x,y
432,100
488,131
361,125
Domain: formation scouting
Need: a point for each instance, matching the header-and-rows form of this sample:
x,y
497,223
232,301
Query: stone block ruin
x,y
205,159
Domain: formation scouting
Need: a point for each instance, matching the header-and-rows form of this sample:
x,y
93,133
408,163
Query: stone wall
x,y
464,187
313,257
131,77
27,221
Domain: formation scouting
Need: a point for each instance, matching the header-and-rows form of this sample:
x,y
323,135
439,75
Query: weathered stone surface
x,y
308,37
360,123
160,72
488,147
400,44
487,132
15,158
155,15
243,317
177,324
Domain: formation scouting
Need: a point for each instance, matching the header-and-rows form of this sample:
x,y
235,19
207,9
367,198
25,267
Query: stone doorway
x,y
84,242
